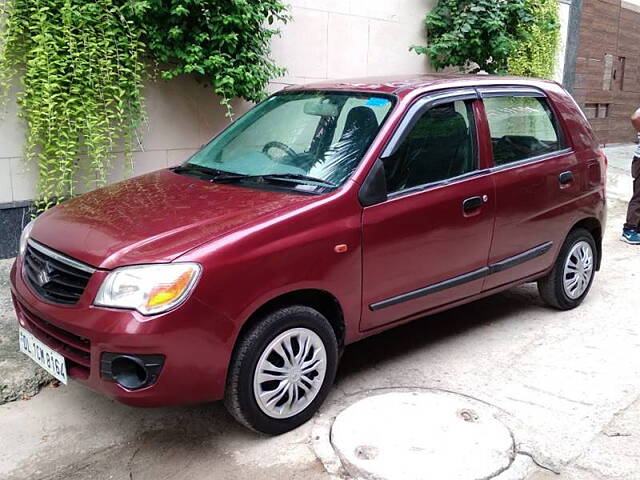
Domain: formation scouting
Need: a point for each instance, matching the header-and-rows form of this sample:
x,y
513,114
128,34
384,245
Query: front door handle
x,y
471,204
565,178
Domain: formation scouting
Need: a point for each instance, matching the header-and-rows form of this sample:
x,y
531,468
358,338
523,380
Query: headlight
x,y
148,288
24,237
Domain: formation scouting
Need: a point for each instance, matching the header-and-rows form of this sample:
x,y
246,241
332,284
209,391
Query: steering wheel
x,y
290,152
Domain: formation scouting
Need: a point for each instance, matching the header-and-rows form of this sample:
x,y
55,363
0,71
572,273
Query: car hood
x,y
154,218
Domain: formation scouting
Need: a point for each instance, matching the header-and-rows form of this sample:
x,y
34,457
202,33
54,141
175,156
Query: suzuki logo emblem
x,y
44,275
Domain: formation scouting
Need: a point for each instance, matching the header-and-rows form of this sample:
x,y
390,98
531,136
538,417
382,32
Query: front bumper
x,y
195,355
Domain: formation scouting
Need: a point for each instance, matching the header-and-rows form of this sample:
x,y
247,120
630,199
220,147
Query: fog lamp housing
x,y
131,371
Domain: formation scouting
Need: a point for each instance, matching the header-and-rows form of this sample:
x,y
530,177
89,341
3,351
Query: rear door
x,y
427,245
537,178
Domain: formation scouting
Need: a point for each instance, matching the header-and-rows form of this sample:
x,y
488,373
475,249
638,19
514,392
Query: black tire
x,y
551,287
239,395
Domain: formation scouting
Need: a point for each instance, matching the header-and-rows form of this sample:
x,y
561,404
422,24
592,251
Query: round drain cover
x,y
418,435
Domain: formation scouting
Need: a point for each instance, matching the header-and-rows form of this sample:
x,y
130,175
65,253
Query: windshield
x,y
310,141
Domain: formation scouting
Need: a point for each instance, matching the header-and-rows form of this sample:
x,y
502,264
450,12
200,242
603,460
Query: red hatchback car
x,y
326,214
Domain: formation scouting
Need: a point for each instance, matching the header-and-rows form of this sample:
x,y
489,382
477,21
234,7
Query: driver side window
x,y
441,145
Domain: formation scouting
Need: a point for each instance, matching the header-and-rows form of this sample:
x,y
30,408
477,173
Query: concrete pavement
x,y
568,382
619,184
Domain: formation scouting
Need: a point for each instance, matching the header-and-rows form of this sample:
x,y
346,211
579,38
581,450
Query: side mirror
x,y
374,187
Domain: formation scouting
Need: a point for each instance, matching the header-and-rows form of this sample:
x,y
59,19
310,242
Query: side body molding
x,y
467,277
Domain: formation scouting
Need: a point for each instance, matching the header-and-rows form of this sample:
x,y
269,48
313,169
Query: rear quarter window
x,y
521,128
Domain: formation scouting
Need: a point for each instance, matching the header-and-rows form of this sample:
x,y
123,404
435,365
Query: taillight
x,y
604,162
603,156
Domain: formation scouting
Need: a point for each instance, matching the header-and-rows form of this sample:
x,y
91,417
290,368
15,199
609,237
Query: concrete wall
x,y
564,11
325,39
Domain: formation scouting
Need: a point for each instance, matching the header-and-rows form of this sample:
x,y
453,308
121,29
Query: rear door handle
x,y
565,178
471,204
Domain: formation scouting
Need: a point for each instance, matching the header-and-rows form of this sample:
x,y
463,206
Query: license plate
x,y
51,361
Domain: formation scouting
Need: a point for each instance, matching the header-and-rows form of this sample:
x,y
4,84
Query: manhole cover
x,y
411,435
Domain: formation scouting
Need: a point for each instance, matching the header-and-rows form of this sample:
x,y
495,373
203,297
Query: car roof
x,y
405,84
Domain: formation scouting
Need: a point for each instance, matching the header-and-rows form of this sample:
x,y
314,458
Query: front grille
x,y
74,348
53,276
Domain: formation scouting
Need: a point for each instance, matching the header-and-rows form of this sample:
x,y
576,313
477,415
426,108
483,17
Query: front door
x,y
427,245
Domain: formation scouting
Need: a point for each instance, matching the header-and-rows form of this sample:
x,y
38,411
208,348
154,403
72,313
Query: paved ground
x,y
620,185
568,381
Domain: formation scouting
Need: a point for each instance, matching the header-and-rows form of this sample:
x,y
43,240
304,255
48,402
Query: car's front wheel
x,y
570,280
281,370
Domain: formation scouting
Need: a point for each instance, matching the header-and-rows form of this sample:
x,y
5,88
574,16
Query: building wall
x,y
607,84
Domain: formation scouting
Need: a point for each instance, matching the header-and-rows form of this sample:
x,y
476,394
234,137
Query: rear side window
x,y
521,128
440,146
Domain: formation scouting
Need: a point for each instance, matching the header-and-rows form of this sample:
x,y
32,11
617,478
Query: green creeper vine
x,y
481,32
81,68
498,36
224,43
536,56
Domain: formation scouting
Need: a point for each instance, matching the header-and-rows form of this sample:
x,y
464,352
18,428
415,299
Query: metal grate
x,y
73,347
53,276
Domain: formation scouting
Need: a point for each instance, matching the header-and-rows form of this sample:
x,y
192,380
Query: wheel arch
x,y
321,300
594,227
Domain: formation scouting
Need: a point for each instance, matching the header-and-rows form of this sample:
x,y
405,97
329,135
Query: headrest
x,y
361,118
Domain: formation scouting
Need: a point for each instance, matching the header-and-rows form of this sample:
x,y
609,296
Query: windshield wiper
x,y
297,177
193,168
301,178
215,175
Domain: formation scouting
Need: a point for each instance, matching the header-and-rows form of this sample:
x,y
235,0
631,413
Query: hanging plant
x,y
224,43
81,68
480,33
537,55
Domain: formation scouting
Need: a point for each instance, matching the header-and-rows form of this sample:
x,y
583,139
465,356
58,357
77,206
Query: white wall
x,y
565,12
350,38
325,39
631,5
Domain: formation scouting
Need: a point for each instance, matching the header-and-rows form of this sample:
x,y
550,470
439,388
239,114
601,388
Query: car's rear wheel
x,y
281,370
572,276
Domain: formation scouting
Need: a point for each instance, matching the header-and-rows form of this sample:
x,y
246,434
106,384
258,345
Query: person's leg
x,y
630,233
